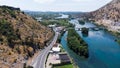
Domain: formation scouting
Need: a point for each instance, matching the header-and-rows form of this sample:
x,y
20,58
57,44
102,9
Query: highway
x,y
40,60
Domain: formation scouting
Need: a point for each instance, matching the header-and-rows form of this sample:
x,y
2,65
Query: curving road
x,y
39,62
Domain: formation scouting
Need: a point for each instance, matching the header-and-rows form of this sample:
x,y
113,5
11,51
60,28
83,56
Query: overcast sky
x,y
56,5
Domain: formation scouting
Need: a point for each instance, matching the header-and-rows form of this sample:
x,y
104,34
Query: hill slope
x,y
20,35
109,16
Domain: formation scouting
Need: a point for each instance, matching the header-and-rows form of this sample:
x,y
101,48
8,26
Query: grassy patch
x,y
62,50
64,66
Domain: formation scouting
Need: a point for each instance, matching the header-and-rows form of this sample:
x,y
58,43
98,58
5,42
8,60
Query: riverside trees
x,y
76,43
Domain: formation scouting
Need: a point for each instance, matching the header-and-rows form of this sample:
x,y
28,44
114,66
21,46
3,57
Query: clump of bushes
x,y
25,66
7,30
85,30
81,22
76,43
10,11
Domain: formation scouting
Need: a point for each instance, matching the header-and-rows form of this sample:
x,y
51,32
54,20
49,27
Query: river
x,y
62,16
104,52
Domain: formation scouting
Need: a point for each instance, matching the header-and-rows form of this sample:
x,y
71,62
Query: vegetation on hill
x,y
7,31
20,35
76,43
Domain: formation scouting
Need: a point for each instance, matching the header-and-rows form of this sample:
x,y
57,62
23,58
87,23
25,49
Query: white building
x,y
56,48
52,26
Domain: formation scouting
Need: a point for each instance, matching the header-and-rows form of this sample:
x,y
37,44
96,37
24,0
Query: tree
x,y
77,44
85,31
81,22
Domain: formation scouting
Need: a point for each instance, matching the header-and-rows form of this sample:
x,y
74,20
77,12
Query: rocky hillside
x,y
109,16
20,36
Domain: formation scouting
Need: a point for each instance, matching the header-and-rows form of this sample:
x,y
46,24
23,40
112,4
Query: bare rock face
x,y
20,35
108,15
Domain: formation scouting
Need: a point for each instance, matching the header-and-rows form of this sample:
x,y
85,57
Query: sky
x,y
56,5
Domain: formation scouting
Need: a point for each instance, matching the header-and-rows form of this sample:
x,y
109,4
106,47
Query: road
x,y
39,62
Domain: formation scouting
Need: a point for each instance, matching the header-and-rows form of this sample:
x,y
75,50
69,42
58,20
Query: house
x,y
64,58
52,26
56,48
59,29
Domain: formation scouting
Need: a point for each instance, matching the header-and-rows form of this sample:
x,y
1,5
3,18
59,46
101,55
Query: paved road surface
x,y
39,62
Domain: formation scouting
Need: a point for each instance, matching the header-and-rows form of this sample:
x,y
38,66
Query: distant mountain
x,y
20,36
108,16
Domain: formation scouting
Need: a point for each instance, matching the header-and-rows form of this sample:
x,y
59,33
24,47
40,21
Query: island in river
x,y
104,52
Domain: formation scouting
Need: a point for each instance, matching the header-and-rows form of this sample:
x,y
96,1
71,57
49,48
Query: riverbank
x,y
114,33
117,34
102,48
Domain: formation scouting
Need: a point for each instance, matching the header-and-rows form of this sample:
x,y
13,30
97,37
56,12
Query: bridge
x,y
90,28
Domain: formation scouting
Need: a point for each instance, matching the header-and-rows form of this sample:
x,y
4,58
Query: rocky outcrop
x,y
108,16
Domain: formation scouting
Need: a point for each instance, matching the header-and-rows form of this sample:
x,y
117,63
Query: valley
x,y
75,39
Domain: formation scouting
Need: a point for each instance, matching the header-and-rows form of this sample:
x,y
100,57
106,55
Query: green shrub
x,y
76,43
7,30
85,30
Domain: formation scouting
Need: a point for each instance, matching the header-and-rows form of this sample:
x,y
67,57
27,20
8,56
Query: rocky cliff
x,y
108,16
20,36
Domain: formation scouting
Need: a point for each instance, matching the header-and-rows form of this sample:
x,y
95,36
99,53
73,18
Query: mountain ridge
x,y
20,35
107,16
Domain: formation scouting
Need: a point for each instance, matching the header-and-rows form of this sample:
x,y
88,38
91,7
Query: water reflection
x,y
85,35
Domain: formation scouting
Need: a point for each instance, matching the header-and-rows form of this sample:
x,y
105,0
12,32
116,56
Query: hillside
x,y
20,36
108,16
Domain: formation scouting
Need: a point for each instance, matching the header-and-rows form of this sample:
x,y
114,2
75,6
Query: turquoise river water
x,y
104,52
